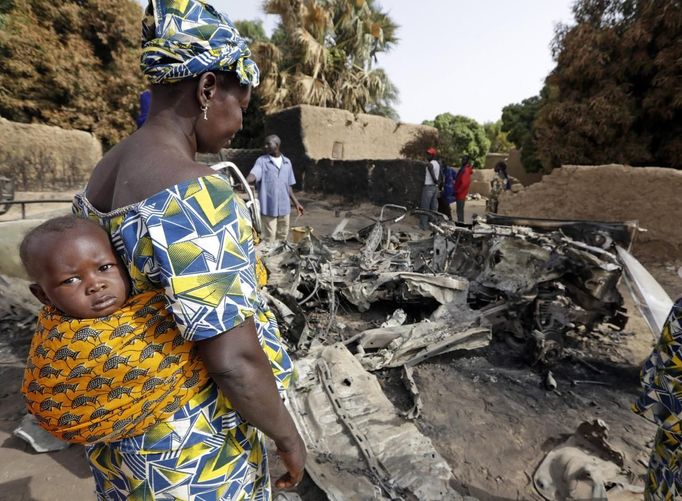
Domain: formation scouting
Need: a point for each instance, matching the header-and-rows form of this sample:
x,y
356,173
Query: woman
x,y
661,378
178,225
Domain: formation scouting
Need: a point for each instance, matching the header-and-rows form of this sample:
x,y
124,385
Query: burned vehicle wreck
x,y
534,284
381,299
528,284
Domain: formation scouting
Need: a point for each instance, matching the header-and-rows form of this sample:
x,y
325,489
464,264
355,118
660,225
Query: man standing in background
x,y
462,183
274,177
429,199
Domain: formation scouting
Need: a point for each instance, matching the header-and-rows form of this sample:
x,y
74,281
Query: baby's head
x,y
74,267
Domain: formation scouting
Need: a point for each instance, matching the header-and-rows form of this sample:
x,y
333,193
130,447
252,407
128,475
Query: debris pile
x,y
526,285
393,300
341,407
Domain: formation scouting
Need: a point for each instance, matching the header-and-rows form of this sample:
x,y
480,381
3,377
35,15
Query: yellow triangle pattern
x,y
175,477
209,289
213,213
173,208
230,452
181,255
191,189
191,453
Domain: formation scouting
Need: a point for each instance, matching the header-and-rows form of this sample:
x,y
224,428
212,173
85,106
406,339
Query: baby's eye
x,y
106,267
70,280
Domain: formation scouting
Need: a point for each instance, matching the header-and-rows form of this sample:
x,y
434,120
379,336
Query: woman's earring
x,y
204,108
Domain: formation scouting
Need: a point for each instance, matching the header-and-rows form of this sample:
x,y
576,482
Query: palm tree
x,y
322,54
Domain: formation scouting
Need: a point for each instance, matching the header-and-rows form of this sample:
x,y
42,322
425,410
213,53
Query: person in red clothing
x,y
462,183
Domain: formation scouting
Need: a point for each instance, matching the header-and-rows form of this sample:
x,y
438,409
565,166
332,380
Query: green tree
x,y
518,121
615,94
323,53
252,31
499,139
460,135
416,147
72,64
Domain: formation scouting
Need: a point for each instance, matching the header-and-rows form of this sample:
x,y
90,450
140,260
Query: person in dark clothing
x,y
501,171
447,196
500,183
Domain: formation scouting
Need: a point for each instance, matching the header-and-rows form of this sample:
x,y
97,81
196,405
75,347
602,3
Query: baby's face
x,y
81,275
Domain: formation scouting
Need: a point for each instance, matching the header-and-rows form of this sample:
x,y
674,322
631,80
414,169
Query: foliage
x,y
71,64
460,135
416,148
252,31
499,140
615,94
518,122
322,53
383,105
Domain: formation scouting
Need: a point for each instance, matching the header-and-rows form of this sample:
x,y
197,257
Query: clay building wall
x,y
606,193
42,158
341,135
311,133
514,166
515,169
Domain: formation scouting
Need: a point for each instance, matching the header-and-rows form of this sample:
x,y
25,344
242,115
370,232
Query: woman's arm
x,y
240,368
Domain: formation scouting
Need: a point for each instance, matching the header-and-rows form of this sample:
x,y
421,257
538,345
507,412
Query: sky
x,y
466,57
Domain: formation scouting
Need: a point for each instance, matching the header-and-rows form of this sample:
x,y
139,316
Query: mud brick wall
x,y
480,181
607,193
355,156
42,158
287,125
514,167
339,134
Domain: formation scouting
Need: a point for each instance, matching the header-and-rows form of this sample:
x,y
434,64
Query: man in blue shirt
x,y
274,177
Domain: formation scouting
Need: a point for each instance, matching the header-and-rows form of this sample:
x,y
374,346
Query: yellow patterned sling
x,y
104,379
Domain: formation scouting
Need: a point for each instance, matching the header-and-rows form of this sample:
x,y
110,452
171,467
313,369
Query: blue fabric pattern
x,y
186,38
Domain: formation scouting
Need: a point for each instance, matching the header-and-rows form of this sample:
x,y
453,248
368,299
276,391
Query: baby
x,y
102,365
74,268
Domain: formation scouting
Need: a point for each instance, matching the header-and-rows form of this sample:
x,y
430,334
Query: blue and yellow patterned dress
x,y
661,379
195,241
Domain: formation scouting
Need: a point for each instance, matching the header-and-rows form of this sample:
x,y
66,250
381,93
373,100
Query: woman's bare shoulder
x,y
133,171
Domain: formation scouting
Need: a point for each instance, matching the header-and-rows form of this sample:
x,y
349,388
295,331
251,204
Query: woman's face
x,y
224,118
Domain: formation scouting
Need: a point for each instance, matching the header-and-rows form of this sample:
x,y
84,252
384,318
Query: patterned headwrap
x,y
186,38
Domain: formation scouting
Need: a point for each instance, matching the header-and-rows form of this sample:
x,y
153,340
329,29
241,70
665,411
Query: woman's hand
x,y
293,457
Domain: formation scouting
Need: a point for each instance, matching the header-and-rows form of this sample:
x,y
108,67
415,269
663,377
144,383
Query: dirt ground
x,y
487,412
